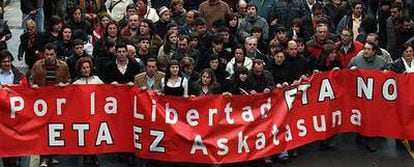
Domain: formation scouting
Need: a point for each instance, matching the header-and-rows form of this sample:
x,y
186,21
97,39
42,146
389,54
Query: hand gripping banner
x,y
205,129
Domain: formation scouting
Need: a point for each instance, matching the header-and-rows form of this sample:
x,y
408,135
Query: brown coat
x,y
214,11
141,80
38,75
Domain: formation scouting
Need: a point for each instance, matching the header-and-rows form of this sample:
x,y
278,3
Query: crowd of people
x,y
194,48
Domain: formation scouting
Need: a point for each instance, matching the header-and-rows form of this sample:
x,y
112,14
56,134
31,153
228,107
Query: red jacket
x,y
345,58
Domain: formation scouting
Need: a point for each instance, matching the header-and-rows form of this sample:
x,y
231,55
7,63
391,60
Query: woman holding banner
x,y
405,64
173,84
238,84
84,66
206,84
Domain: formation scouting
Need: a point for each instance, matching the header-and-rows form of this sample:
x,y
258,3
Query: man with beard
x,y
405,32
260,80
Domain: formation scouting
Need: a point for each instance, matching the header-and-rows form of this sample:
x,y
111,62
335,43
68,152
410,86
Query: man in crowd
x,y
130,10
151,78
49,71
253,20
352,21
78,52
9,75
370,59
392,25
284,11
250,45
373,38
184,50
348,48
144,52
123,69
321,38
263,7
260,80
301,66
132,28
188,26
132,54
165,19
242,9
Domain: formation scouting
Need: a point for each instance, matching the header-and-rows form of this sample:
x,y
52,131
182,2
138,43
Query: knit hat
x,y
162,10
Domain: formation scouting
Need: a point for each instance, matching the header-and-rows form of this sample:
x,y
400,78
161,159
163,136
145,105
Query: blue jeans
x,y
283,154
39,18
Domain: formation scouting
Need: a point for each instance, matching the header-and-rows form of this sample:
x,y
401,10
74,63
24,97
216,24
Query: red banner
x,y
208,129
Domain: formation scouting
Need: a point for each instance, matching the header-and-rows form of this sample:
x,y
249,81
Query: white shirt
x,y
118,11
410,68
176,84
86,81
122,68
152,14
6,77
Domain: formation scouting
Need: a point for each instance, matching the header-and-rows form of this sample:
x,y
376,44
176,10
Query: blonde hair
x,y
30,22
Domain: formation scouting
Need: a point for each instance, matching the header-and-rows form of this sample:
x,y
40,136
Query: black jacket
x,y
398,66
113,74
281,73
259,83
28,5
195,89
4,32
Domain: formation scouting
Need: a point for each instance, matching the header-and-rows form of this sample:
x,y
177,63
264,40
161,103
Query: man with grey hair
x,y
252,52
242,9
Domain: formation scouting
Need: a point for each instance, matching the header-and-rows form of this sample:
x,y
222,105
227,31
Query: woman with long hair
x,y
232,22
112,33
238,83
98,32
206,84
328,58
174,84
218,69
170,44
